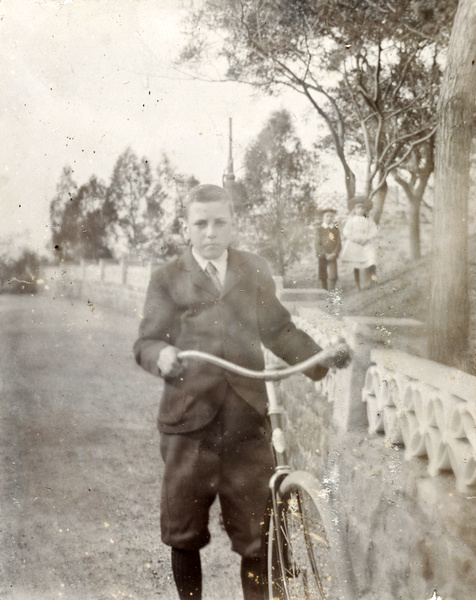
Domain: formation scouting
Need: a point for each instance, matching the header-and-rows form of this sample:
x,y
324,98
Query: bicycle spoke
x,y
301,561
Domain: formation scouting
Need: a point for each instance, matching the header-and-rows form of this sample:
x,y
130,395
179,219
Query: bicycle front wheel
x,y
303,550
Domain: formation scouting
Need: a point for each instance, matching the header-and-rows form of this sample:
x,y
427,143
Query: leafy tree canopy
x,y
369,68
81,219
136,215
279,187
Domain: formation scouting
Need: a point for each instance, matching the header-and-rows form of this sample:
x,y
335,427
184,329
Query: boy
x,y
328,246
213,426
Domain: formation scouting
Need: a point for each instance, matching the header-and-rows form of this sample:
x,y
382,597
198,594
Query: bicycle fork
x,y
275,413
282,469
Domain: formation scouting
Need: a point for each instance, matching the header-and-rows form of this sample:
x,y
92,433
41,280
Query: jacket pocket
x,y
173,405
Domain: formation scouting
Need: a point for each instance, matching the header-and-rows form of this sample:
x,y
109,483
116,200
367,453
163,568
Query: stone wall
x,y
108,285
407,533
399,446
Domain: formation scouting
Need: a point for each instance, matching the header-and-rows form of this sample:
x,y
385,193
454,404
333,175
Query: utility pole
x,y
229,175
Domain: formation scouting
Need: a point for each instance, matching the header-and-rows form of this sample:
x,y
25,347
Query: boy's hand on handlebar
x,y
168,362
341,357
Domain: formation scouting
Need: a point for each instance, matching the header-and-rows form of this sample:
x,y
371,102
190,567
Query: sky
x,y
82,80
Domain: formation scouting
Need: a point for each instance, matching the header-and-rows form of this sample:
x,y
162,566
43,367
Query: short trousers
x,y
327,268
231,458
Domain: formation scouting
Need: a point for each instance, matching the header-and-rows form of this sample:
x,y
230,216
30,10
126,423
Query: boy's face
x,y
327,218
209,227
359,210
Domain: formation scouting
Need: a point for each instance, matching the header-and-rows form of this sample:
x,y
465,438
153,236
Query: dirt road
x,y
81,469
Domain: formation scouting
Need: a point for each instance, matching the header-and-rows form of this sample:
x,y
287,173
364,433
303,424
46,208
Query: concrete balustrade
x,y
343,388
428,408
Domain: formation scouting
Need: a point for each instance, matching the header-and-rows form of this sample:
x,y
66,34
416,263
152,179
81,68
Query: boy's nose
x,y
210,231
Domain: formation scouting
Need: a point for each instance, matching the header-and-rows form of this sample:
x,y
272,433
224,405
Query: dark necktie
x,y
212,272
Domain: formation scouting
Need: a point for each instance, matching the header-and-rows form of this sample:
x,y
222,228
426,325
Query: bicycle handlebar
x,y
266,374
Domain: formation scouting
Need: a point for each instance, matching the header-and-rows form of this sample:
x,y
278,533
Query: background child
x,y
328,246
360,247
213,425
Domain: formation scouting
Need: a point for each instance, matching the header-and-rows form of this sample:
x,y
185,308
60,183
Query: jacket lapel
x,y
197,275
199,278
233,272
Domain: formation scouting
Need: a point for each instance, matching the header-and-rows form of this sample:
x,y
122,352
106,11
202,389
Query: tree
x,y
63,228
131,193
278,203
81,219
155,245
138,214
164,232
449,301
369,69
412,176
388,92
147,205
95,220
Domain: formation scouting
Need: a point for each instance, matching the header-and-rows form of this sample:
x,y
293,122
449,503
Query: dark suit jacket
x,y
183,309
328,241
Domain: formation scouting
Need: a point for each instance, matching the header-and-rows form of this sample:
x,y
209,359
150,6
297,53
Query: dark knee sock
x,y
187,571
357,278
252,579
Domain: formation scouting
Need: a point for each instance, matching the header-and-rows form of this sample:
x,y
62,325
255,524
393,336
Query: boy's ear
x,y
185,233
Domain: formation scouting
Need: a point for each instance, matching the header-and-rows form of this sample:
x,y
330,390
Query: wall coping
x,y
449,379
360,320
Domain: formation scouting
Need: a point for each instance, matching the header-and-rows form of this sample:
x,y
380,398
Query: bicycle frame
x,y
288,488
282,468
275,414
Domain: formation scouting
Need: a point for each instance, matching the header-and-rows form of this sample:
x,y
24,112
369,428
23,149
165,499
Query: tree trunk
x,y
420,168
415,198
449,301
414,228
349,180
378,200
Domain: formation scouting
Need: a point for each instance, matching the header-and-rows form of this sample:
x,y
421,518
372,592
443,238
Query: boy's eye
x,y
218,222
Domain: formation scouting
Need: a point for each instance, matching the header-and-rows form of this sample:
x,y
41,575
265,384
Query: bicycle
x,y
302,548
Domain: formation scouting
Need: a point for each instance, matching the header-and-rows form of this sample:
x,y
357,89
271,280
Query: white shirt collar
x,y
220,263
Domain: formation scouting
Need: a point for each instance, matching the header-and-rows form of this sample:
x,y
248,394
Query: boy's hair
x,y
206,193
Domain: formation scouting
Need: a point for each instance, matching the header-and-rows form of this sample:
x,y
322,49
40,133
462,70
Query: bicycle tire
x,y
304,555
